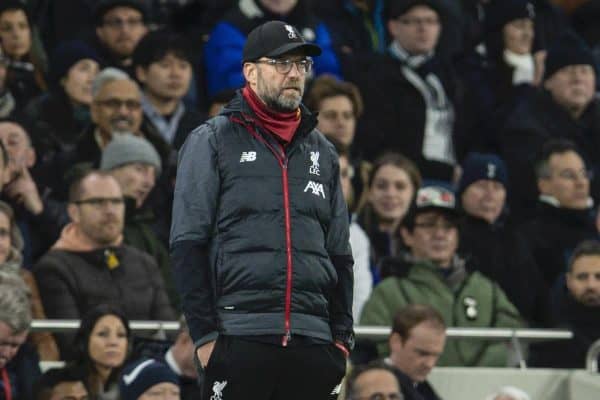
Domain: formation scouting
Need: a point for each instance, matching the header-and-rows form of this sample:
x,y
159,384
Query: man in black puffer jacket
x,y
260,240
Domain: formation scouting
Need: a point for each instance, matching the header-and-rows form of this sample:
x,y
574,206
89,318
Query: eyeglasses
x,y
572,175
117,23
101,202
115,104
304,66
431,226
429,21
381,396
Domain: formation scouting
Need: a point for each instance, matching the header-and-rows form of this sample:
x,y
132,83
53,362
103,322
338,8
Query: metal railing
x,y
515,336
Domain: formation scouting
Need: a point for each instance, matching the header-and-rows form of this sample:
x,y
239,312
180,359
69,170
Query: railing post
x,y
591,358
518,349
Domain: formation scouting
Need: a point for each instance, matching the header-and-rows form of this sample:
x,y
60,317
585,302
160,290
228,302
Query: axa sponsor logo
x,y
316,188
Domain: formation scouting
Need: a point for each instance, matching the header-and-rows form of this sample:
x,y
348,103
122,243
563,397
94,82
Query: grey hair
x,y
15,302
106,76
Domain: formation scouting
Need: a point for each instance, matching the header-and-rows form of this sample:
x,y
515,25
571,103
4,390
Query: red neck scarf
x,y
282,125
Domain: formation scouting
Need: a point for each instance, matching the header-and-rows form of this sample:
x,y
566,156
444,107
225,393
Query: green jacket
x,y
425,284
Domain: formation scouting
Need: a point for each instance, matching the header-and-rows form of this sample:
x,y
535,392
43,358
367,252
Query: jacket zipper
x,y
283,163
288,249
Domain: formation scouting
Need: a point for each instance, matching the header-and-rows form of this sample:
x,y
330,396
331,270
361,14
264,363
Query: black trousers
x,y
240,369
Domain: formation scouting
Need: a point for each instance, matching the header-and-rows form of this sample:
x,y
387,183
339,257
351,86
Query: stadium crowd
x,y
468,135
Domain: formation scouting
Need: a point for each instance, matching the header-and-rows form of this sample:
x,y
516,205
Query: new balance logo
x,y
218,388
316,188
248,156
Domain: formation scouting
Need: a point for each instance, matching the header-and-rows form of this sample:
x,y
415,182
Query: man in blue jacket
x,y
260,241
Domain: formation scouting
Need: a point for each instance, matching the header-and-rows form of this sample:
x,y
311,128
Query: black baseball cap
x,y
275,38
104,6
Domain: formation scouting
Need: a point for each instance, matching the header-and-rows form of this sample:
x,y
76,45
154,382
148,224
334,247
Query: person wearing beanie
x,y
148,379
493,245
136,166
436,275
120,24
565,107
411,89
59,116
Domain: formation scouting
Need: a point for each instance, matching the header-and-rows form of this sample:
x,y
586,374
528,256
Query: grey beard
x,y
283,105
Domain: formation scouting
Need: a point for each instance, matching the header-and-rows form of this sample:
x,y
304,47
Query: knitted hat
x,y
142,375
500,12
104,6
568,49
400,7
479,166
126,149
68,54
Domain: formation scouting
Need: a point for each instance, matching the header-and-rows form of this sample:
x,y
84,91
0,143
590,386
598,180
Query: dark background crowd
x,y
469,138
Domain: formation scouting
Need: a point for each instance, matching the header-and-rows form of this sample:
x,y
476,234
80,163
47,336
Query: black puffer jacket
x,y
260,240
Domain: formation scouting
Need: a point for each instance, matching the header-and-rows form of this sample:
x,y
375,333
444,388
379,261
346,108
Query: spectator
x,y
498,79
59,116
25,75
100,350
564,215
411,89
149,379
417,341
223,51
163,64
575,305
8,104
38,217
180,358
134,163
373,381
339,105
120,24
19,363
393,184
116,109
438,277
90,265
61,384
509,393
496,249
359,241
11,259
564,108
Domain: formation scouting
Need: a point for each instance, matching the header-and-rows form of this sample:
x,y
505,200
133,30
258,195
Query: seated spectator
x,y
565,107
38,216
25,71
564,216
505,73
339,105
149,379
359,241
575,306
393,184
61,384
59,116
100,350
417,341
90,265
11,259
180,358
508,393
120,24
134,163
412,91
496,250
223,51
8,105
163,64
374,381
437,276
19,363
